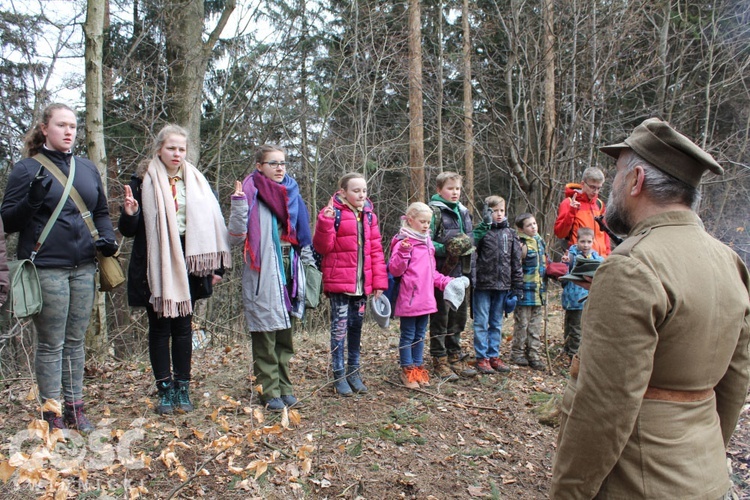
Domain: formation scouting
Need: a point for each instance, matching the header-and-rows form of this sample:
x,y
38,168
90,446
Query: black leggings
x,y
160,331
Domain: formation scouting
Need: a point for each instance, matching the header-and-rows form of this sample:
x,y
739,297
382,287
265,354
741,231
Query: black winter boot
x,y
166,397
355,381
340,385
182,396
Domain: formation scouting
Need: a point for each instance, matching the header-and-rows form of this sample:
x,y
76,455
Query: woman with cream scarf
x,y
180,249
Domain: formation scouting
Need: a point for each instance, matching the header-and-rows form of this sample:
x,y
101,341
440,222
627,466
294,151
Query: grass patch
x,y
539,397
355,449
478,452
408,416
400,437
494,491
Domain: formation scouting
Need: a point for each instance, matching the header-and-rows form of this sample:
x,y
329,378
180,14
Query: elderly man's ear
x,y
636,180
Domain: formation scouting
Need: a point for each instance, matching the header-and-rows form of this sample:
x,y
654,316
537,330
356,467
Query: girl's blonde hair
x,y
415,209
159,140
344,181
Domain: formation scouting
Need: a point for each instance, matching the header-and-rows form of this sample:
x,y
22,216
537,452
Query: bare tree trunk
x,y
416,117
440,89
187,60
573,126
304,110
663,55
550,116
93,28
468,111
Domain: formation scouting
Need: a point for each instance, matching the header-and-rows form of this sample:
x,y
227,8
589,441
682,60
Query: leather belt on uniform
x,y
656,393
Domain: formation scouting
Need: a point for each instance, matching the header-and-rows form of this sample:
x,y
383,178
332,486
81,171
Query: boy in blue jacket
x,y
573,295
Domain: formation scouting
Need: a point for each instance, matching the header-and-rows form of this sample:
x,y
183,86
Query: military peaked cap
x,y
668,150
583,267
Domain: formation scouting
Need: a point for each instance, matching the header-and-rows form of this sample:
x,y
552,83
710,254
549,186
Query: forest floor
x,y
476,438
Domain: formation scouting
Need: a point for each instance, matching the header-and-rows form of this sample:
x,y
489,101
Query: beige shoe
x,y
409,377
423,375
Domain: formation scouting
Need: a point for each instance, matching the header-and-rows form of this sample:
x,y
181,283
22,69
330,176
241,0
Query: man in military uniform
x,y
664,361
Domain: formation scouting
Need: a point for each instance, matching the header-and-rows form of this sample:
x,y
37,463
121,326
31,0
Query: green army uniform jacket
x,y
669,309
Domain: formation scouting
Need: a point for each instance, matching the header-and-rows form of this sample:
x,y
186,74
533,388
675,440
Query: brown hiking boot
x,y
460,367
442,370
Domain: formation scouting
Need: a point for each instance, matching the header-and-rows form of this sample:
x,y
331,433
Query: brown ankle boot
x,y
442,370
460,367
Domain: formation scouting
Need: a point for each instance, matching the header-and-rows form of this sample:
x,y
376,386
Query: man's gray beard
x,y
616,217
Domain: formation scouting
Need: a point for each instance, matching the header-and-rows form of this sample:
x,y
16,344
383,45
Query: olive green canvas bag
x,y
25,292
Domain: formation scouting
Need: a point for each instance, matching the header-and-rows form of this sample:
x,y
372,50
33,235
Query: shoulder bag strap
x,y
57,173
53,218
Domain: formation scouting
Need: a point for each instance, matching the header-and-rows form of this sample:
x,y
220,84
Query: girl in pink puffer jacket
x,y
348,237
413,260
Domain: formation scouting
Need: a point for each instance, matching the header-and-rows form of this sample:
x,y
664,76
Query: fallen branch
x,y
453,401
274,448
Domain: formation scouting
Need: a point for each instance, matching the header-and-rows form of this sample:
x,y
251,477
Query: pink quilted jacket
x,y
339,250
419,278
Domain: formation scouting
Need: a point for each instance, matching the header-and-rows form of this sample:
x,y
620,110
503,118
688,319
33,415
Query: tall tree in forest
x,y
548,22
187,62
416,116
93,29
468,110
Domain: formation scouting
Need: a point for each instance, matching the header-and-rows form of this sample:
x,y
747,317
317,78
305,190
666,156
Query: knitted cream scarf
x,y
206,237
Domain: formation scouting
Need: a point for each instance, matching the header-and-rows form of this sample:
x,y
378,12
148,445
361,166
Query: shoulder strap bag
x,y
111,274
25,294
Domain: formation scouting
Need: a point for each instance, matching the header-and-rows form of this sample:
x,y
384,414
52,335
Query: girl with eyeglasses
x,y
270,220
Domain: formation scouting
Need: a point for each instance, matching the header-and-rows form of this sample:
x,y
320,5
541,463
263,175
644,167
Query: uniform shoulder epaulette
x,y
626,246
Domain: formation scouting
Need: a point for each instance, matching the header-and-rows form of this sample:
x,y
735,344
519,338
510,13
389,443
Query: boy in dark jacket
x,y
499,278
452,236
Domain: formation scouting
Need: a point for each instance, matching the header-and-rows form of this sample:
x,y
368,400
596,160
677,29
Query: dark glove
x,y
487,214
107,247
39,187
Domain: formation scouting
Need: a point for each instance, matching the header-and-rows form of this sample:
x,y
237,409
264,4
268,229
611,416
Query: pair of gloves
x,y
38,189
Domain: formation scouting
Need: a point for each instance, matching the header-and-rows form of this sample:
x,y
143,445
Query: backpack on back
x,y
336,223
394,284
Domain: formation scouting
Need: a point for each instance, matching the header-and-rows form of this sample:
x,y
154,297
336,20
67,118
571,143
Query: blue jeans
x,y
347,315
488,322
411,345
68,296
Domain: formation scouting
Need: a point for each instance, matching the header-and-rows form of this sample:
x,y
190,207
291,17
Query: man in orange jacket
x,y
579,208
